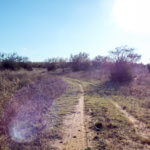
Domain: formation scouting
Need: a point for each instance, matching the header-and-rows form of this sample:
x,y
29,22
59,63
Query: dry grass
x,y
133,97
112,129
11,81
139,108
50,125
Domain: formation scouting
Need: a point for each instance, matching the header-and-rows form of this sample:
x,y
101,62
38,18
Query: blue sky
x,y
41,29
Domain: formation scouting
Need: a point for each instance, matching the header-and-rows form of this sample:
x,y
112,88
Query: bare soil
x,y
74,128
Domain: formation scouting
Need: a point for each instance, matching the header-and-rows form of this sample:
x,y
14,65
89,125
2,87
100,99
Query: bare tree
x,y
124,53
123,57
80,62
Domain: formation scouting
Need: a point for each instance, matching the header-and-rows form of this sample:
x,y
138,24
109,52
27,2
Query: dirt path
x,y
142,130
74,129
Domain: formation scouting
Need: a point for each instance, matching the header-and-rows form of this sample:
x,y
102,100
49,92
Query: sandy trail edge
x,y
142,130
74,137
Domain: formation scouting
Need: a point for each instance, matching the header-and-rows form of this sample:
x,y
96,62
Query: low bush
x,y
148,67
80,62
51,67
14,62
26,66
121,72
9,65
97,62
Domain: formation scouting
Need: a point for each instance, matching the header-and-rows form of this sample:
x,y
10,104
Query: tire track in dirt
x,y
142,130
74,137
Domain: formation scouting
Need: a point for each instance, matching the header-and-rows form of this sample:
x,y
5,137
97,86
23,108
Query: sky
x,y
41,29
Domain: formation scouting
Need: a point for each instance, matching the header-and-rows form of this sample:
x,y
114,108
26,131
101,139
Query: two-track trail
x,y
142,130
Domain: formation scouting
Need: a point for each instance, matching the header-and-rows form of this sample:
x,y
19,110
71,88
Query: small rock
x,y
95,138
98,126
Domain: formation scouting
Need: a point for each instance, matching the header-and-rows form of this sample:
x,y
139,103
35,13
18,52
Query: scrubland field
x,y
84,105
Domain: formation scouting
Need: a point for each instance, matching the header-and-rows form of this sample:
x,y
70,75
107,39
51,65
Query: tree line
x,y
118,62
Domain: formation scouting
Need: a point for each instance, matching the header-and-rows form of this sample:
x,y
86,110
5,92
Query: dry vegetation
x,y
112,129
11,81
39,103
112,86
